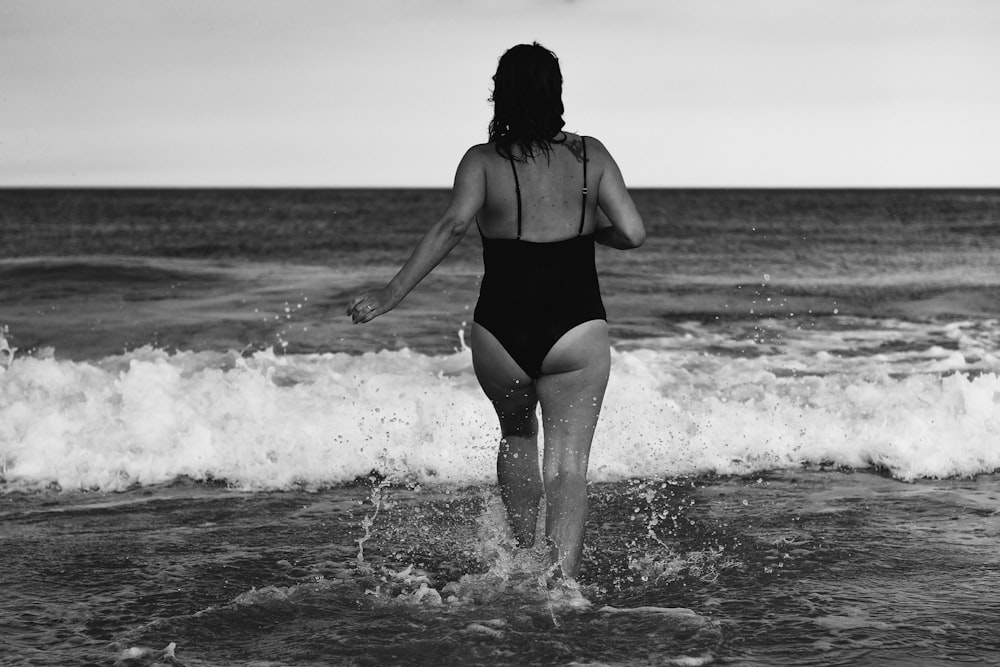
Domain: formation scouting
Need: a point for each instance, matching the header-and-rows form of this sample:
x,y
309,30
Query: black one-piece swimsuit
x,y
533,293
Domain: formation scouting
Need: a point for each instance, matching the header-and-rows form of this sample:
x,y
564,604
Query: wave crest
x,y
274,422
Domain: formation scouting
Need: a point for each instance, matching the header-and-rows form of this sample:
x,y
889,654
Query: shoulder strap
x,y
517,191
583,210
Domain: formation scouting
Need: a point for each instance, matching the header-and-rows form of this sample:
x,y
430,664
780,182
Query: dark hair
x,y
527,100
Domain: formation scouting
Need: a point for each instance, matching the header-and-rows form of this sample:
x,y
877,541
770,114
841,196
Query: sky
x,y
390,93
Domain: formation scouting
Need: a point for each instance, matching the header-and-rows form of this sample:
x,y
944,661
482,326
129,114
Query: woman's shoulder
x,y
482,148
487,152
593,143
577,143
475,157
480,153
597,155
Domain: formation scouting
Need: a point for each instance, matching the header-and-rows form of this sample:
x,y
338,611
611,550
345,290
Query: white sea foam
x,y
276,421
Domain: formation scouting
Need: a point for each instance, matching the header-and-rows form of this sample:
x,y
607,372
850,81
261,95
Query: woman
x,y
539,334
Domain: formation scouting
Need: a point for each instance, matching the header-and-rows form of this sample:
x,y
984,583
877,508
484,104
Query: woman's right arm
x,y
626,230
466,200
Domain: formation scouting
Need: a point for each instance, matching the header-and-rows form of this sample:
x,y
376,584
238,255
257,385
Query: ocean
x,y
203,462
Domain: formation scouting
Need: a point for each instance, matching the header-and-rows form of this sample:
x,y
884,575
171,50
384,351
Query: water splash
x,y
663,511
376,500
146,657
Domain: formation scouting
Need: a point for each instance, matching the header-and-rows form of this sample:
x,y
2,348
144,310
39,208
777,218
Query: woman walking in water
x,y
539,334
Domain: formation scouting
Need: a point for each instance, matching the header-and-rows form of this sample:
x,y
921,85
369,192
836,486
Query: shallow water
x,y
786,568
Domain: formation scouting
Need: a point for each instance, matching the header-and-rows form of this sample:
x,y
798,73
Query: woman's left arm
x,y
467,198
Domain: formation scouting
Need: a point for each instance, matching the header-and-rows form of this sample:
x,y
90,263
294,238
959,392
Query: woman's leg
x,y
571,390
513,397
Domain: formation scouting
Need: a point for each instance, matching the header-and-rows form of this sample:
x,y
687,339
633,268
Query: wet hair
x,y
527,101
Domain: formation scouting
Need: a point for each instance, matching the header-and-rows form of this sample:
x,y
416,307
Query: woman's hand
x,y
466,199
370,305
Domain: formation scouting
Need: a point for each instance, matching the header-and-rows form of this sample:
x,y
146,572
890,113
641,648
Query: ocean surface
x,y
203,462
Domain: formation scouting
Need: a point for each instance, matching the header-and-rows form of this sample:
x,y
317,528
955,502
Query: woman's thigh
x,y
571,391
510,389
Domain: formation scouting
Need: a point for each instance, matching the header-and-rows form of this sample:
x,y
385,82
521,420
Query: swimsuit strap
x,y
517,190
583,211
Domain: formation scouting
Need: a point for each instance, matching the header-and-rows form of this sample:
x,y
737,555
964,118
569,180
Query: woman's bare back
x,y
551,189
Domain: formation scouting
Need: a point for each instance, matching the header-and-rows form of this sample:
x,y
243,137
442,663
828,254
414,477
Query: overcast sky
x,y
391,92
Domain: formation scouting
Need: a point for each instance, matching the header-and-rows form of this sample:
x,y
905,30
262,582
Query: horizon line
x,y
448,187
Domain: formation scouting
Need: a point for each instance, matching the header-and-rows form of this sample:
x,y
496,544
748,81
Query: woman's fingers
x,y
365,308
352,306
364,313
353,303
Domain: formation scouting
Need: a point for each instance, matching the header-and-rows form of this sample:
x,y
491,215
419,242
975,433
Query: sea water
x,y
204,463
